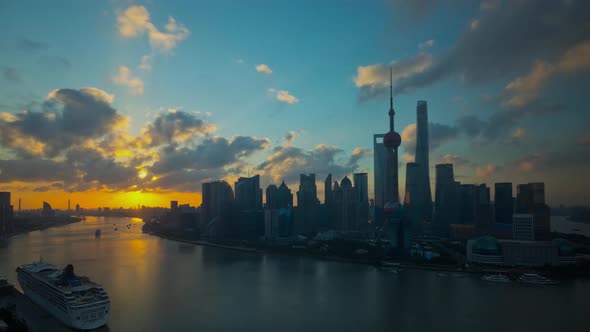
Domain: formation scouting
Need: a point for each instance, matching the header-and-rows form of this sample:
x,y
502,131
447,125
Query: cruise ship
x,y
533,278
74,300
495,278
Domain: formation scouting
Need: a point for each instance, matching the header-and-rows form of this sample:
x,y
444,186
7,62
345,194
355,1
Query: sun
x,y
142,174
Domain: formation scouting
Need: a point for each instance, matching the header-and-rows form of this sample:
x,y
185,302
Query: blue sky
x,y
460,56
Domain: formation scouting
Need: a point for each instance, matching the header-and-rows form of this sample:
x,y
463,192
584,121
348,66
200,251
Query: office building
x,y
346,206
523,228
361,185
248,193
6,213
503,202
217,197
307,204
446,204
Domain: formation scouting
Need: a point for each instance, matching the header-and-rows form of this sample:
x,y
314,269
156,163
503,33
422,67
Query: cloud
x,y
135,21
499,125
519,133
176,126
438,135
411,10
526,88
124,77
373,80
454,159
489,5
11,74
426,45
485,171
146,63
504,42
67,117
211,153
29,45
54,61
284,96
262,68
584,139
357,154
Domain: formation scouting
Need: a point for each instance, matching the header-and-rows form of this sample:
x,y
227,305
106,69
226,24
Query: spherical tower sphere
x,y
392,140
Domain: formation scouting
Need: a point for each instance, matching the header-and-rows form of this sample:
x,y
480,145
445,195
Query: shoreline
x,y
372,262
44,227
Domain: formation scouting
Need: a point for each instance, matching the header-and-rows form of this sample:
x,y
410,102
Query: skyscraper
x,y
530,199
346,206
6,213
446,198
328,214
217,196
411,196
503,202
379,160
361,184
248,193
284,197
307,204
424,199
271,197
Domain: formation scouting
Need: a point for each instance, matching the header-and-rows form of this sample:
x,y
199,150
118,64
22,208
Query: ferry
x,y
533,278
496,278
74,300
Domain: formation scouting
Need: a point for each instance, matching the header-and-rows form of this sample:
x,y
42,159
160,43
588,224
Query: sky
x,y
126,103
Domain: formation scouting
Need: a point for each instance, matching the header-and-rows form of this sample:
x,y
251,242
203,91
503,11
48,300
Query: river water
x,y
157,285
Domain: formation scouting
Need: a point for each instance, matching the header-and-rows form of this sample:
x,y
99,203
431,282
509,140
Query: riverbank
x,y
25,225
369,261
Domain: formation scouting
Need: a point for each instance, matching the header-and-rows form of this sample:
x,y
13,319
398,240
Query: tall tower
x,y
422,159
379,160
392,141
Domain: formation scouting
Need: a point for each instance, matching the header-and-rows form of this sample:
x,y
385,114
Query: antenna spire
x,y
390,88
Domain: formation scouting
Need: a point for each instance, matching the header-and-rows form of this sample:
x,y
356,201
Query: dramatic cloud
x,y
374,79
287,162
499,125
176,126
438,135
124,77
67,118
283,96
504,41
262,68
526,88
211,153
135,21
11,74
35,170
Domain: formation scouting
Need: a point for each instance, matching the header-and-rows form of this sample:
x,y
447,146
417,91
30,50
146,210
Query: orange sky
x,y
94,199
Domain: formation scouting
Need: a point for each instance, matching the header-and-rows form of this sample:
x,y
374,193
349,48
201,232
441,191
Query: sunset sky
x,y
119,103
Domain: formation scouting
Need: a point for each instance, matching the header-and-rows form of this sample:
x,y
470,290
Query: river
x,y
157,285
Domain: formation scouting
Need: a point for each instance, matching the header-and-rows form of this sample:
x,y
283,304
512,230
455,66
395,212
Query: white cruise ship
x,y
533,278
74,300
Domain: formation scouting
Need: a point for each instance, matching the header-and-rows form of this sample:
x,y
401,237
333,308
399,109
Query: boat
x,y
97,232
496,278
533,278
74,300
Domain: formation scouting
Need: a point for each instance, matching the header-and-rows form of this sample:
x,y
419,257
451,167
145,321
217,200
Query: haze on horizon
x,y
126,103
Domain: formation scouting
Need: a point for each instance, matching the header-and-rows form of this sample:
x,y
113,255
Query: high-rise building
x,y
424,193
284,197
328,210
361,184
468,204
523,227
379,161
412,194
271,197
484,213
47,211
530,199
217,197
503,202
307,204
6,213
446,199
346,206
173,205
248,193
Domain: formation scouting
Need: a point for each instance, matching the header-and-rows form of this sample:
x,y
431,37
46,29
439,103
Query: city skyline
x,y
118,130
